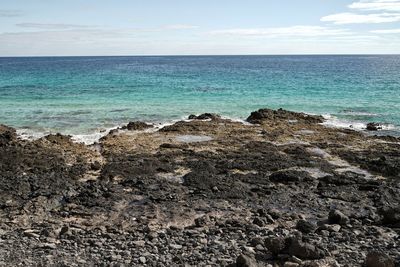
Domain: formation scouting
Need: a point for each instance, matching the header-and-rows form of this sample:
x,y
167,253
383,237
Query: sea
x,y
86,96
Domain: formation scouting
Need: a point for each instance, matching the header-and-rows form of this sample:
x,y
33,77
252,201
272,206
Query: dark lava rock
x,y
260,221
59,139
257,241
373,126
202,221
289,176
304,250
275,244
95,166
275,214
246,261
384,160
281,114
337,217
305,226
174,146
136,213
7,134
391,215
379,259
137,126
64,230
205,116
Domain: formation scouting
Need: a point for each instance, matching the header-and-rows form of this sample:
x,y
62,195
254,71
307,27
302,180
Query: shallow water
x,y
83,95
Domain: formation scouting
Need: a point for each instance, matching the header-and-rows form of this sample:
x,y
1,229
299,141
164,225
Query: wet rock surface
x,y
284,191
265,115
373,126
205,116
137,126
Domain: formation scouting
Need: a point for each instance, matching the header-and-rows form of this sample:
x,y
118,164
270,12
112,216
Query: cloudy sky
x,y
191,27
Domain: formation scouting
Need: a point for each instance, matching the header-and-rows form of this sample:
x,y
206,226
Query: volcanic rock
x,y
137,126
379,259
282,115
373,126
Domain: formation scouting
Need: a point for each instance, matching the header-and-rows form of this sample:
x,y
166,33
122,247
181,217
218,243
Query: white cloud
x,y
303,31
387,31
10,13
52,26
383,5
180,27
353,18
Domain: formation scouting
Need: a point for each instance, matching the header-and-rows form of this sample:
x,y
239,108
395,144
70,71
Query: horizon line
x,y
206,55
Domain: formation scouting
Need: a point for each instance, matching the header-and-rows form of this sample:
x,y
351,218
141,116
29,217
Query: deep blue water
x,y
81,95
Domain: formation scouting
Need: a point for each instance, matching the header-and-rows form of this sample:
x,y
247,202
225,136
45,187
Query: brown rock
x,y
337,217
246,261
7,134
205,116
304,250
137,126
282,115
373,126
379,259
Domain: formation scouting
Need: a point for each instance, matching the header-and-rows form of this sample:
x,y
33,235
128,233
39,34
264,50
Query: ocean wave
x,y
349,112
205,89
30,134
333,121
89,139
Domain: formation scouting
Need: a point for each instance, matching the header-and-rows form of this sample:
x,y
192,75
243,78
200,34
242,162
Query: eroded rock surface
x,y
283,191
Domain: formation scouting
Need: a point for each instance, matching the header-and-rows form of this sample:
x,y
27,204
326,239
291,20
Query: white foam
x,y
88,139
332,121
244,122
360,113
28,134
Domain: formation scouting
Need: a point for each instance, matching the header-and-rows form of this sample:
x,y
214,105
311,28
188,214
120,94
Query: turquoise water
x,y
82,95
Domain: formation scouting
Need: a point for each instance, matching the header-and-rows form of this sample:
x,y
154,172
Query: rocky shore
x,y
279,190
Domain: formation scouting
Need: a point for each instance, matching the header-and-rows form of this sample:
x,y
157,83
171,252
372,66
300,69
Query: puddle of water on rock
x,y
338,162
171,177
342,165
367,175
193,138
176,176
315,172
305,132
245,172
319,152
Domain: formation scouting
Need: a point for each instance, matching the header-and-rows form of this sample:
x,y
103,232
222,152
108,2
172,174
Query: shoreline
x,y
330,121
280,190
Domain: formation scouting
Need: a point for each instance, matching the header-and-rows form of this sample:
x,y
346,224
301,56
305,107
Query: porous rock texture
x,y
282,190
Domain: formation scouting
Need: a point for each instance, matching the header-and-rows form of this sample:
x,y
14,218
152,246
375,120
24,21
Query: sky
x,y
198,27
